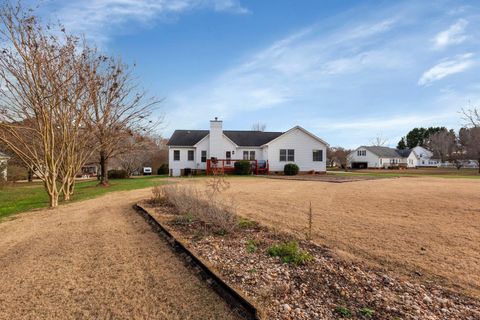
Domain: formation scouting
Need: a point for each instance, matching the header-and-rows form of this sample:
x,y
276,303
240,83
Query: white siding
x,y
371,158
176,166
303,144
202,145
259,154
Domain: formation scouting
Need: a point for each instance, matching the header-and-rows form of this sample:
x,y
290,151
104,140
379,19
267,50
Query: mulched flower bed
x,y
325,287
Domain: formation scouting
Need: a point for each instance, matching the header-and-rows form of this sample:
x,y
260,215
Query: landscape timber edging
x,y
235,299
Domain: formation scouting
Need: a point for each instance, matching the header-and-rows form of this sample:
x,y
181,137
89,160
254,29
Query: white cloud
x,y
447,67
289,69
97,18
455,34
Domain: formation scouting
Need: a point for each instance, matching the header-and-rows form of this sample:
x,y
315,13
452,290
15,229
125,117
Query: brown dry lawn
x,y
96,259
408,225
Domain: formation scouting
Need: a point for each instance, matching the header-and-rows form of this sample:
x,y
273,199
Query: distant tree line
x,y
448,145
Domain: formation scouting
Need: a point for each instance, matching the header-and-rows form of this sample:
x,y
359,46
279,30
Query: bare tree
x,y
470,140
379,141
120,109
471,134
472,117
258,126
443,144
139,151
40,117
338,155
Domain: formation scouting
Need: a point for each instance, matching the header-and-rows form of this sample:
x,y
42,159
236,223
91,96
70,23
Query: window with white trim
x,y
317,155
204,156
287,155
176,155
191,155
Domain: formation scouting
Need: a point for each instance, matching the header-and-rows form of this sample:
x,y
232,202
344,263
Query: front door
x,y
228,156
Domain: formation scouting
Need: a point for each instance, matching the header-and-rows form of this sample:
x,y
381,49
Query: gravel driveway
x,y
96,259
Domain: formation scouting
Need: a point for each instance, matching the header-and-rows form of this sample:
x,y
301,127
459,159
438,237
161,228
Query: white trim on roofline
x,y
301,129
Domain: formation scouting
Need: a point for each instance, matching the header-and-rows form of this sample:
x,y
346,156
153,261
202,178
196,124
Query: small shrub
x,y
245,223
290,169
117,174
183,219
243,167
343,311
252,246
290,253
163,169
367,312
158,196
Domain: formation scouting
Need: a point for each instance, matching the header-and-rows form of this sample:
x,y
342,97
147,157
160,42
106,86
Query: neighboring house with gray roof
x,y
195,149
384,157
3,165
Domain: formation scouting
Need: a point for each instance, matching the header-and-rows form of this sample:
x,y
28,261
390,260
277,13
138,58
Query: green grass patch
x,y
367,312
290,252
344,312
245,223
252,246
24,196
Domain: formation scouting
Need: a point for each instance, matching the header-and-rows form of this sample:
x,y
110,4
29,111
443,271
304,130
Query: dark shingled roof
x,y
241,138
387,152
186,137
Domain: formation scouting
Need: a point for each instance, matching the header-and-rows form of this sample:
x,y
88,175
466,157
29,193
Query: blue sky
x,y
346,70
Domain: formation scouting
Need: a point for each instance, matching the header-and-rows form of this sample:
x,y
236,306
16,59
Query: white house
x,y
385,157
3,165
196,149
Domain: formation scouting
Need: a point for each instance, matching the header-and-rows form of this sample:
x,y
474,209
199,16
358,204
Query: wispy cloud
x,y
290,68
447,67
98,18
455,34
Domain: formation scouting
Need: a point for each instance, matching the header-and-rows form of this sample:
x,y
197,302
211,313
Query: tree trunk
x,y
53,199
30,175
68,191
104,169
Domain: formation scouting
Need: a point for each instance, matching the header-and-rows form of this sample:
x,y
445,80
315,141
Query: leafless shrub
x,y
216,215
217,184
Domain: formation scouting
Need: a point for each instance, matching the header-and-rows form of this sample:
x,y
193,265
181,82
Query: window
x,y
204,156
290,155
287,155
361,153
249,155
191,155
176,155
317,155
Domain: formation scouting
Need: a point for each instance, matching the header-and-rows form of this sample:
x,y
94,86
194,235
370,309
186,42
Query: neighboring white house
x,y
3,163
385,157
192,149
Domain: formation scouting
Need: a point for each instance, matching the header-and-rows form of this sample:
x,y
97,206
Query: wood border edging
x,y
233,298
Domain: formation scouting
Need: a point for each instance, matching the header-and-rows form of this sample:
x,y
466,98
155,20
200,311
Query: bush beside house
x,y
163,169
290,169
243,167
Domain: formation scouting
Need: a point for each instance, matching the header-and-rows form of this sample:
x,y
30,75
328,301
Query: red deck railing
x,y
225,166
